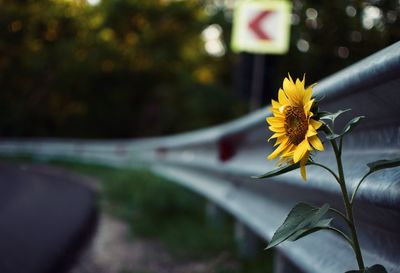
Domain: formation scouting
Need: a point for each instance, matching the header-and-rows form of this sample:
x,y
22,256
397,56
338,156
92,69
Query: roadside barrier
x,y
218,162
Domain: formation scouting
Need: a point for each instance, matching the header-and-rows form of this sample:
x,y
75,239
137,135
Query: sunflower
x,y
293,125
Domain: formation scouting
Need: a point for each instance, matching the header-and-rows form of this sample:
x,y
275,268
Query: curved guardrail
x,y
217,163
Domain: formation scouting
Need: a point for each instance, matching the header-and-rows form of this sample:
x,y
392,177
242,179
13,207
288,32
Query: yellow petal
x,y
276,122
303,166
277,113
316,124
290,78
307,107
294,95
303,81
279,140
276,135
288,152
277,125
289,87
278,150
307,95
275,104
311,131
299,85
282,109
300,151
316,143
287,147
283,100
276,129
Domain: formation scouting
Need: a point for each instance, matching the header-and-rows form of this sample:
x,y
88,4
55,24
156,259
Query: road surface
x,y
46,217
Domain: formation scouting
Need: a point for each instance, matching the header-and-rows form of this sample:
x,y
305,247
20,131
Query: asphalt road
x,y
46,216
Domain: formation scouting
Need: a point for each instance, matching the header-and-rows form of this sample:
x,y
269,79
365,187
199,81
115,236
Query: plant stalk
x,y
348,206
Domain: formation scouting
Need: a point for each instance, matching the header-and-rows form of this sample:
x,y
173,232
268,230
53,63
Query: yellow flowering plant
x,y
297,125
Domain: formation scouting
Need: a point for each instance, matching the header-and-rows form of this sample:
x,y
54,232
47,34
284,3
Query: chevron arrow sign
x,y
261,26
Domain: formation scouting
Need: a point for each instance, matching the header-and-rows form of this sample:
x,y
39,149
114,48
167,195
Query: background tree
x,y
119,69
133,68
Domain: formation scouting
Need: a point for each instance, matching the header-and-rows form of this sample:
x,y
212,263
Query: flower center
x,y
296,124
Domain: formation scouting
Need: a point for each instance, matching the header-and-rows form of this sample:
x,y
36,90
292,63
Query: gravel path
x,y
111,252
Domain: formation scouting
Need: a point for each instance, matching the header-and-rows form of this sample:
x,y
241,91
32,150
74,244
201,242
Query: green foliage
x,y
347,128
71,69
302,220
383,164
351,125
74,70
373,269
281,170
157,208
332,116
320,225
260,263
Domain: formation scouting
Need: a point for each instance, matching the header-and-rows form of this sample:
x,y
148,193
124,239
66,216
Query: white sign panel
x,y
261,26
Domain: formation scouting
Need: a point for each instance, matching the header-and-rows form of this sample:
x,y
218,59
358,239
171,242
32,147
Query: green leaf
x,y
333,116
383,164
320,114
332,136
281,170
378,268
322,224
352,124
302,220
347,129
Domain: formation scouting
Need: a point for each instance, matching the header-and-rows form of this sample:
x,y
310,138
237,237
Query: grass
x,y
157,208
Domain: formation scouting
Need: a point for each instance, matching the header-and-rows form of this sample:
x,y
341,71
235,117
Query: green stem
x,y
338,180
340,145
339,232
326,168
358,186
341,215
348,206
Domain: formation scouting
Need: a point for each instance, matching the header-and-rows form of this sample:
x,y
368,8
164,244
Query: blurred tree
x,y
328,36
130,68
123,68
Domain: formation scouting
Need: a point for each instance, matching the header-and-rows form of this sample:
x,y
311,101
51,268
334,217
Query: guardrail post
x,y
215,215
284,265
248,243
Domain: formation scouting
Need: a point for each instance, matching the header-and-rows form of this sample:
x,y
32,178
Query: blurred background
x,y
108,69
112,69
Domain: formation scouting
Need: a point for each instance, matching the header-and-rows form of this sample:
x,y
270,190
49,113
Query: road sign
x,y
261,26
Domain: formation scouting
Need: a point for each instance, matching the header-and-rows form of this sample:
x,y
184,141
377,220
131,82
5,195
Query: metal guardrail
x,y
217,163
